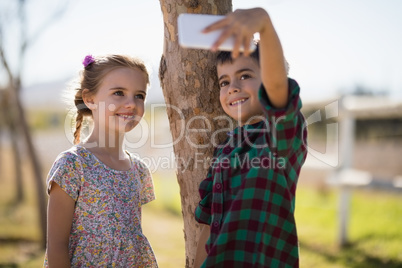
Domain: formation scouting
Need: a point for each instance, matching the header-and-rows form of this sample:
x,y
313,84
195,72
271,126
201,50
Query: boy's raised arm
x,y
272,63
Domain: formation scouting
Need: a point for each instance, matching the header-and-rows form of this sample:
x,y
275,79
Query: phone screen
x,y
190,28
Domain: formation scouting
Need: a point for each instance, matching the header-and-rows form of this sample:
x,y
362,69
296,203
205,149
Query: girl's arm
x,y
242,24
201,253
60,217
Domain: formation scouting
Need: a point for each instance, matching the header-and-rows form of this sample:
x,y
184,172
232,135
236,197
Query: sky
x,y
332,46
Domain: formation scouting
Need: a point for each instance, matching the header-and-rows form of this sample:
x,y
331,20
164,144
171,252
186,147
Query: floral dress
x,y
106,228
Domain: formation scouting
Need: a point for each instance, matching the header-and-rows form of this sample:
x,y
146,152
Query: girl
x,y
96,189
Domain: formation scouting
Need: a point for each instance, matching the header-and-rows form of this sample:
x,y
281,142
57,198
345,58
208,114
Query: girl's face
x,y
118,105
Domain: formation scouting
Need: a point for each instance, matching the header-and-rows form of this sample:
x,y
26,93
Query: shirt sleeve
x,y
203,210
67,173
287,125
147,193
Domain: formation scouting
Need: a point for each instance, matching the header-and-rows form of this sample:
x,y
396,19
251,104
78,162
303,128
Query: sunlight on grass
x,y
167,193
165,234
162,222
374,229
316,215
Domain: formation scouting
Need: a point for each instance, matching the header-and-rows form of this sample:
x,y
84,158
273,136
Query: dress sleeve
x,y
67,173
147,193
288,131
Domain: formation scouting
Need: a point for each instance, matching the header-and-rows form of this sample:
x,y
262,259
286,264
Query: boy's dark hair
x,y
226,56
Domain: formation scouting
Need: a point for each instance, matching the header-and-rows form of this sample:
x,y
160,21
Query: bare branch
x,y
5,63
55,16
23,34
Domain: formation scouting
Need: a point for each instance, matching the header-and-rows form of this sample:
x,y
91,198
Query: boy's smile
x,y
239,84
238,102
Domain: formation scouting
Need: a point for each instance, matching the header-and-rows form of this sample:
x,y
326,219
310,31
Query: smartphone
x,y
190,28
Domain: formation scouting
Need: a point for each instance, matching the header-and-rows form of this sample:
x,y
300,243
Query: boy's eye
x,y
140,96
223,83
118,93
245,76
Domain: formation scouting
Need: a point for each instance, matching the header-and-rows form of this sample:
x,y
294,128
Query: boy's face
x,y
239,84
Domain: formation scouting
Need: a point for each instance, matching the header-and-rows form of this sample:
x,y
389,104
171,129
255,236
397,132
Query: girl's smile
x,y
126,117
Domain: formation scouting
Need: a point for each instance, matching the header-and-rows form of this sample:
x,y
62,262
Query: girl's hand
x,y
241,24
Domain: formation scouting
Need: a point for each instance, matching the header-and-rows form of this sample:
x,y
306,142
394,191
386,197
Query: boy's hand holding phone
x,y
241,25
195,32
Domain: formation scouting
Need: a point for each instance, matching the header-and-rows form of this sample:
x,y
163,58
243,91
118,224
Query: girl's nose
x,y
130,104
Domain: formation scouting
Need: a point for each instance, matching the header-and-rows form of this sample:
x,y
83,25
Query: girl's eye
x,y
140,96
118,93
223,83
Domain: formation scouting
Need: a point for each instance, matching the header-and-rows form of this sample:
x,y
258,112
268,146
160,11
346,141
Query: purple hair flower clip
x,y
88,60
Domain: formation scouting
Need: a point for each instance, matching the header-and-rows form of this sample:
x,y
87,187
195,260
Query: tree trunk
x,y
32,156
9,120
189,84
36,166
19,186
2,127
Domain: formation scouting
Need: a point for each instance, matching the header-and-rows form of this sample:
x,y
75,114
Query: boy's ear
x,y
88,99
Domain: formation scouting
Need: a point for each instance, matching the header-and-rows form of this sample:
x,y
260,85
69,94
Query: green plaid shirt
x,y
248,196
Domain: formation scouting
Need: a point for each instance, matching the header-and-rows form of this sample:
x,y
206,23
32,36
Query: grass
x,y
375,229
19,223
164,231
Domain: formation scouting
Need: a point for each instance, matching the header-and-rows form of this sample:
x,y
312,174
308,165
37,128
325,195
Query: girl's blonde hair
x,y
91,78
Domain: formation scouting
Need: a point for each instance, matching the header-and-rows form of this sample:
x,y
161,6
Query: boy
x,y
248,197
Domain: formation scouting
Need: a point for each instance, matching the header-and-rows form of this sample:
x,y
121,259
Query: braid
x,y
82,111
78,125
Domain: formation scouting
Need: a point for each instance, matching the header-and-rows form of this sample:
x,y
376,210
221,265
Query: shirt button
x,y
218,187
215,224
226,150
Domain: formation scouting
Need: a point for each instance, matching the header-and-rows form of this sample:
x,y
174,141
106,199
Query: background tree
x,y
13,15
191,92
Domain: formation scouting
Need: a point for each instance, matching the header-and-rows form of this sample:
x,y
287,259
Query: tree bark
x,y
19,186
9,121
189,83
2,127
37,169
